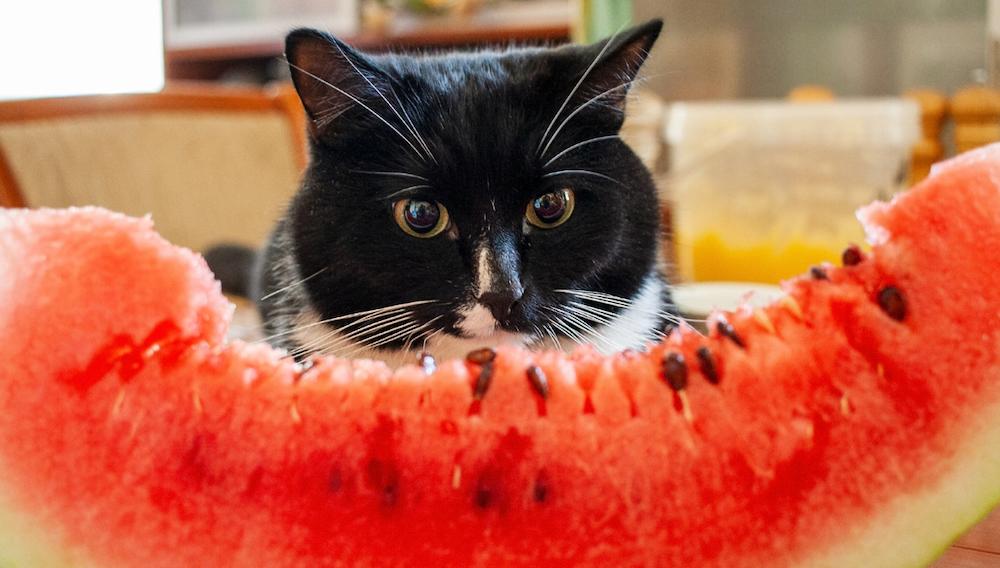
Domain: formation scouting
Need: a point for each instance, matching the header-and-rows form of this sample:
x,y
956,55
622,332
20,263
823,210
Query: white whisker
x,y
362,104
294,284
395,335
552,336
382,338
423,337
604,298
365,330
300,328
571,333
311,346
588,330
427,338
332,340
619,302
589,315
578,109
407,125
583,78
408,344
364,339
559,323
581,172
594,309
391,174
428,332
405,190
615,301
372,312
577,145
537,336
413,127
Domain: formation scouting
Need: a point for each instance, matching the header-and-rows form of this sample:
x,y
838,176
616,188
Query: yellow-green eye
x,y
421,219
552,209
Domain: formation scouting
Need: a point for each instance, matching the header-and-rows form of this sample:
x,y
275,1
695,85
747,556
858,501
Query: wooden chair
x,y
209,163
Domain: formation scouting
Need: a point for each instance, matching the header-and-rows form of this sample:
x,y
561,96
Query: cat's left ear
x,y
330,77
614,63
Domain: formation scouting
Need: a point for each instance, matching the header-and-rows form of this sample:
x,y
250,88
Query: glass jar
x,y
760,191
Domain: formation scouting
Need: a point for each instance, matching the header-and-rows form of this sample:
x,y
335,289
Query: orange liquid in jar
x,y
710,257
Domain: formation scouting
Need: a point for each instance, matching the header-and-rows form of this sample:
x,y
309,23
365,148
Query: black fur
x,y
482,116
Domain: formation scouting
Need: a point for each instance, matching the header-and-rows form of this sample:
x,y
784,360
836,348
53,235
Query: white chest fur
x,y
632,327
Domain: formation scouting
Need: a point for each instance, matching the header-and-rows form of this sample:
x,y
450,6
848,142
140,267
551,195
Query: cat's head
x,y
473,190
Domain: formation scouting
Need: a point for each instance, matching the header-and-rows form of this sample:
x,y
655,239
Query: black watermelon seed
x,y
891,300
390,494
483,381
852,256
707,363
427,362
481,356
541,491
818,273
675,371
538,380
483,496
727,330
383,477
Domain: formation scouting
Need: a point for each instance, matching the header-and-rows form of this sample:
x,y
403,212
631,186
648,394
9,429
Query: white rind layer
x,y
915,529
25,543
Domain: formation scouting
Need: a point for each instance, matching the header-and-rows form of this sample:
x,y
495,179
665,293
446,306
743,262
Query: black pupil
x,y
549,207
421,216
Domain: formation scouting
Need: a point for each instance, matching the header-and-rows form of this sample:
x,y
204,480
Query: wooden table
x,y
979,548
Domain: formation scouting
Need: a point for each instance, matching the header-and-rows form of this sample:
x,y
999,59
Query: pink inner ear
x,y
330,77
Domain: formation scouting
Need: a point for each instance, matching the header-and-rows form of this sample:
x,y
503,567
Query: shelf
x,y
544,23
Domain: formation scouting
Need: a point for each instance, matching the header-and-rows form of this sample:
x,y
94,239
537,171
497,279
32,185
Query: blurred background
x,y
711,48
765,123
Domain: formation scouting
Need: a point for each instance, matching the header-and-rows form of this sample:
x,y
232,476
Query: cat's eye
x,y
421,219
552,209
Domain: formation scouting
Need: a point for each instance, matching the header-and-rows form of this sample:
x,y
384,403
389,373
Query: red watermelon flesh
x,y
852,428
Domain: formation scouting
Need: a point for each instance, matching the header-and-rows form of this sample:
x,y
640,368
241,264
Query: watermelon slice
x,y
856,422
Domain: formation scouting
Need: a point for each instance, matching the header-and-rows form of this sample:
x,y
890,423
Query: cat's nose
x,y
502,302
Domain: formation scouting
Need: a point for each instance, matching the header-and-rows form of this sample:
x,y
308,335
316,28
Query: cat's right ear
x,y
329,76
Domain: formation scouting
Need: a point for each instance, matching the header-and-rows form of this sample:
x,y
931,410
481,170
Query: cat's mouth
x,y
477,322
502,337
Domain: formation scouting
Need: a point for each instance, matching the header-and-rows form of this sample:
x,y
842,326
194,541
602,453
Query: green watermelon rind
x,y
950,502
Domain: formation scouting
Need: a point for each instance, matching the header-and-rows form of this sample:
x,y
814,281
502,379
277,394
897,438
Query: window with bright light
x,y
54,48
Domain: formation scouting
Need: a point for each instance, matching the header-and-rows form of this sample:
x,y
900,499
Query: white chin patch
x,y
477,321
478,324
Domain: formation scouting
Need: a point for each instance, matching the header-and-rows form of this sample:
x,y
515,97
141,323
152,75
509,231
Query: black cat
x,y
466,199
